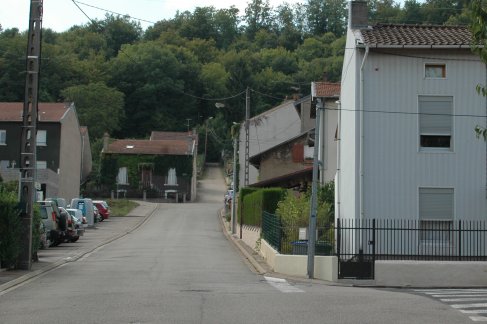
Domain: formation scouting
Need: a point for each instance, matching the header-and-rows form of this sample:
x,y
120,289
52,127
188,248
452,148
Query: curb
x,y
260,270
36,273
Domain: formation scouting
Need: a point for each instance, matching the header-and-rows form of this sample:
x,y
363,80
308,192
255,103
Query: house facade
x,y
163,166
408,110
289,163
266,130
60,148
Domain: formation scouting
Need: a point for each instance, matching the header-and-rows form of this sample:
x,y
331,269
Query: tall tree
x,y
258,15
479,33
98,106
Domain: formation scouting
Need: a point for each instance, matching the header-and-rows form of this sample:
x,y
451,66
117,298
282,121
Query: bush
x,y
259,201
10,229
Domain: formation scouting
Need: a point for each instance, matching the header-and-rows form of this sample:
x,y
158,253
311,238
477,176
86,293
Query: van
x,y
87,208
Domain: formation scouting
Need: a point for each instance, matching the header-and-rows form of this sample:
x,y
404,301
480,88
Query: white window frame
x,y
436,212
435,65
40,165
122,176
41,138
3,137
423,118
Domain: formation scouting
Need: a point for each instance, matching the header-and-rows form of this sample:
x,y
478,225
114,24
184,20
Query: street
x,y
178,267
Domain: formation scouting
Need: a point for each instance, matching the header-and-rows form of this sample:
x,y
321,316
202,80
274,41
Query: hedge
x,y
257,201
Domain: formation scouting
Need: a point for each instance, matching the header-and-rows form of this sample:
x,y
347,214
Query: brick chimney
x,y
358,14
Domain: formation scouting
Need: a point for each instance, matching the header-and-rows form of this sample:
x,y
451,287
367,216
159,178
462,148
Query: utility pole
x,y
247,117
314,195
28,135
234,185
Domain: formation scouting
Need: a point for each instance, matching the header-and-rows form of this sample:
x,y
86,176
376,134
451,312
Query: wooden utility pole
x,y
29,130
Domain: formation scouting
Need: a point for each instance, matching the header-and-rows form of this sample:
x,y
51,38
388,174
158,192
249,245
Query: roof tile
x,y
416,35
47,112
151,147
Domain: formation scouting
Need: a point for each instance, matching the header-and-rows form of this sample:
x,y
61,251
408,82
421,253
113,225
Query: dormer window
x,y
434,71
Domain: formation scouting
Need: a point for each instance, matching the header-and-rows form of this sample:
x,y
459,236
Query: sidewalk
x,y
105,232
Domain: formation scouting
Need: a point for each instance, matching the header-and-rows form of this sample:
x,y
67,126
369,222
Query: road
x,y
179,268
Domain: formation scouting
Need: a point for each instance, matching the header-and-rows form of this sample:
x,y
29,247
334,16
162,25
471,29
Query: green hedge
x,y
257,201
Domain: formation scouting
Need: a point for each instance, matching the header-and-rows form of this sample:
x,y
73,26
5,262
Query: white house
x,y
409,107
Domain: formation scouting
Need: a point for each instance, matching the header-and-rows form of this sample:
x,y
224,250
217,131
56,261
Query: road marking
x,y
459,296
478,318
282,285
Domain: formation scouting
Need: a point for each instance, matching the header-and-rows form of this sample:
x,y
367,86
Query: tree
x,y
479,34
258,15
98,106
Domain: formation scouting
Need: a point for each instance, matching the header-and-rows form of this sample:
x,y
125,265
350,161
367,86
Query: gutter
x,y
361,167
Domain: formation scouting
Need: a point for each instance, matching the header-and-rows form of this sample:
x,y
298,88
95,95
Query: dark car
x,y
54,223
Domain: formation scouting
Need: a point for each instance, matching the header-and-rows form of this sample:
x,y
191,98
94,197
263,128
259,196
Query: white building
x,y
409,107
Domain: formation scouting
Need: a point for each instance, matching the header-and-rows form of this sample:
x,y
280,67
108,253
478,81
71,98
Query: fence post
x,y
338,239
373,239
459,239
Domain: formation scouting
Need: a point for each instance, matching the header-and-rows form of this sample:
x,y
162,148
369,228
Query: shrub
x,y
10,229
259,201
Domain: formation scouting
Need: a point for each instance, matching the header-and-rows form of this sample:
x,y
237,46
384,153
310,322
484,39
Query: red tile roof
x,y
151,147
157,135
325,89
48,112
388,35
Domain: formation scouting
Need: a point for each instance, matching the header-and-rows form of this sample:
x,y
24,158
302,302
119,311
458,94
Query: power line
x,y
113,12
211,99
405,113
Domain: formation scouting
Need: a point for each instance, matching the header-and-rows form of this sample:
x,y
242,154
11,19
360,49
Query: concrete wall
x,y
70,156
430,274
326,267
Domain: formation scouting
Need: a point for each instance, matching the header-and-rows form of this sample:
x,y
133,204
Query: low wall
x,y
325,267
431,273
250,234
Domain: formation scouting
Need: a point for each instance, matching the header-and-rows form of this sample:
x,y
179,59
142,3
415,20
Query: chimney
x,y
106,137
325,76
358,15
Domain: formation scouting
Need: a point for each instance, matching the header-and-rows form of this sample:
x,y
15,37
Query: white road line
x,y
282,285
478,318
459,296
459,292
449,290
459,306
474,311
450,300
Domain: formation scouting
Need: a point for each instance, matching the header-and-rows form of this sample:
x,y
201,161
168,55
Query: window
x,y
3,137
172,179
122,177
435,122
435,71
41,138
435,214
41,164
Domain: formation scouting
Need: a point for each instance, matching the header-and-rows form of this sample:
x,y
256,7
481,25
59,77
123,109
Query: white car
x,y
228,197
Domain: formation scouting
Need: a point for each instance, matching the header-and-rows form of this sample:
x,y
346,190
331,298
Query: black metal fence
x,y
380,239
292,238
412,239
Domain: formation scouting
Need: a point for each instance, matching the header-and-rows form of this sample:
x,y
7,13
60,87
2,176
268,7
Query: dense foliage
x,y
129,81
259,201
10,228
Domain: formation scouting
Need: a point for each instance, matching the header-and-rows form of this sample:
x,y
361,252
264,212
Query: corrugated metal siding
x,y
394,166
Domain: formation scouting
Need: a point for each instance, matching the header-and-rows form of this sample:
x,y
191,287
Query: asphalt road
x,y
179,268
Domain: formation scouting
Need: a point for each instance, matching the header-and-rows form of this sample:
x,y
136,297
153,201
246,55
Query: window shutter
x,y
435,115
298,153
436,204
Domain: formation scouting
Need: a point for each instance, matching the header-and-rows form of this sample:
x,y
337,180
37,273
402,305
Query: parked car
x,y
78,225
44,242
103,208
54,222
61,202
71,231
96,215
79,216
228,198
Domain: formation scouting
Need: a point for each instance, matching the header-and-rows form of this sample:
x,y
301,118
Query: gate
x,y
355,249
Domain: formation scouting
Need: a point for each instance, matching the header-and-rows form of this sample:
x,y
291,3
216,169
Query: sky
x,y
60,15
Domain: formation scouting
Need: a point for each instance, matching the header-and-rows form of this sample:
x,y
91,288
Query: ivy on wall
x,y
160,164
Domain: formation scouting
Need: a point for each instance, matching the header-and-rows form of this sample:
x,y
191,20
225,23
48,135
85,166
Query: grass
x,y
121,207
